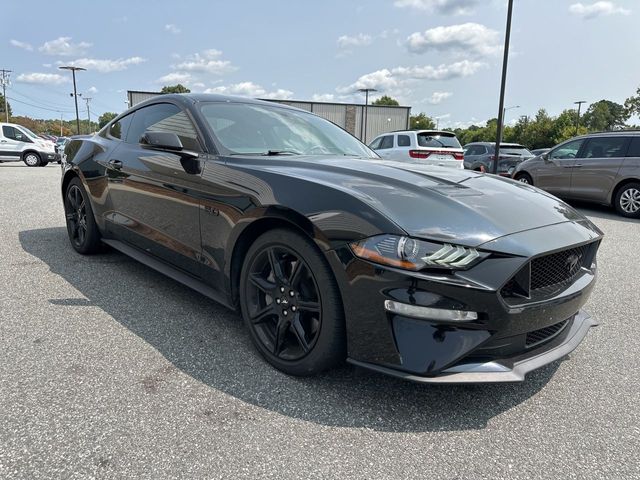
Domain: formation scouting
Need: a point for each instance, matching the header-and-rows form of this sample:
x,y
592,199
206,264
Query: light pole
x,y
505,59
75,94
87,100
579,103
364,115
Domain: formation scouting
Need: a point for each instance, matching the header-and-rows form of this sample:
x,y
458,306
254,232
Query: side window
x,y
634,148
404,141
119,129
375,144
8,132
387,142
568,150
605,147
473,150
164,117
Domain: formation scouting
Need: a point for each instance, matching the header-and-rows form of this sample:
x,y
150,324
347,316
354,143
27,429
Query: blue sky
x,y
442,57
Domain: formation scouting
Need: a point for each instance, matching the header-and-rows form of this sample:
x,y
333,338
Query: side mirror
x,y
545,157
166,141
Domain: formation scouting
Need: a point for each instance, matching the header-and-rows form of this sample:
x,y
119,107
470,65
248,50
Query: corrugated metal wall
x,y
380,119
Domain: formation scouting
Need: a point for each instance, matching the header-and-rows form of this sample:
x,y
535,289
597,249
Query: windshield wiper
x,y
273,153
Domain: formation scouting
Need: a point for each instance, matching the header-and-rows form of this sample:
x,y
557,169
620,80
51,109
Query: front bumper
x,y
49,156
509,369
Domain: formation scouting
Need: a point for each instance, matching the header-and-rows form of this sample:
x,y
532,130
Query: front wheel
x,y
627,201
524,178
291,304
31,159
81,225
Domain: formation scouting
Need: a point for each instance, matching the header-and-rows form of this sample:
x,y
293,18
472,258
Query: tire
x,y
524,177
627,200
310,338
81,224
31,159
44,164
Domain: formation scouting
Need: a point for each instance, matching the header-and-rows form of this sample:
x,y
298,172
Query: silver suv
x,y
599,167
428,147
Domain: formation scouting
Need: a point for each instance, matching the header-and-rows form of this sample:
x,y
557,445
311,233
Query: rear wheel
x,y
524,178
31,159
627,201
81,225
291,304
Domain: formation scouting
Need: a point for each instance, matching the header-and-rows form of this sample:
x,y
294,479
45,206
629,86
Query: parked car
x,y
599,167
328,252
540,151
19,143
430,147
480,156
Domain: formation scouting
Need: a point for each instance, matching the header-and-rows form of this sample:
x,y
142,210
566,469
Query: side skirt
x,y
169,271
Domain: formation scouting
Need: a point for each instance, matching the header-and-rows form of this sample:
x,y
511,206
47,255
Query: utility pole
x,y
579,103
75,94
5,82
505,60
364,115
88,99
60,123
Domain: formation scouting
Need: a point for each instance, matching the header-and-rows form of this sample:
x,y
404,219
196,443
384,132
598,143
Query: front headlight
x,y
412,254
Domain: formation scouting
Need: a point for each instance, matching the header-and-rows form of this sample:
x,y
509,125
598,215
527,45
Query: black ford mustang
x,y
431,274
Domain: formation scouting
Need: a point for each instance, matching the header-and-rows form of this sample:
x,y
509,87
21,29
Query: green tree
x,y
105,118
605,115
632,104
179,88
421,122
3,117
386,100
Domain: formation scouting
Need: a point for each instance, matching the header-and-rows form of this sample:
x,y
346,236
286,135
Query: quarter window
x,y
404,141
119,129
634,148
605,147
164,117
568,150
387,142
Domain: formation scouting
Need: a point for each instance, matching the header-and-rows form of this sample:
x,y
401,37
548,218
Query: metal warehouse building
x,y
379,119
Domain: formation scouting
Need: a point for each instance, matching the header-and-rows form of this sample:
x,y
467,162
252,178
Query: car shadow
x,y
209,343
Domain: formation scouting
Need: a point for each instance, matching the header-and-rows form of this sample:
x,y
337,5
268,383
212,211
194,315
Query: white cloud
x,y
323,97
171,28
359,40
438,97
250,89
174,77
464,38
445,7
207,61
597,9
64,47
396,81
92,90
23,45
106,65
42,78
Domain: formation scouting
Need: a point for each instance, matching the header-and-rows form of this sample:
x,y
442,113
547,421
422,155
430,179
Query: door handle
x,y
3,141
116,164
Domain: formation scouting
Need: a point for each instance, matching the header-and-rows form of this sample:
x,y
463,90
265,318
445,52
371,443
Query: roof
x,y
493,144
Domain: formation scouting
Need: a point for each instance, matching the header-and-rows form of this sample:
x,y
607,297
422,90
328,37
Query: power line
x,y
41,108
40,101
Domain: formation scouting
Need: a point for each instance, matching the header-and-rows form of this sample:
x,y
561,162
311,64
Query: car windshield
x,y
438,140
521,151
28,132
244,128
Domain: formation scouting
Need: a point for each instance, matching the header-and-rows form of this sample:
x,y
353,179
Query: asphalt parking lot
x,y
110,370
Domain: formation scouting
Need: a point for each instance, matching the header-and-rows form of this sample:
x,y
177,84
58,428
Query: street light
x,y
366,106
579,103
75,94
505,59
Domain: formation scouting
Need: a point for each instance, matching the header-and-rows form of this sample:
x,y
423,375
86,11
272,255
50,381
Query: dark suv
x,y
599,167
479,156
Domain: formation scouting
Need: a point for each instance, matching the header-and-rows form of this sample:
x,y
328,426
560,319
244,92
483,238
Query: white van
x,y
19,143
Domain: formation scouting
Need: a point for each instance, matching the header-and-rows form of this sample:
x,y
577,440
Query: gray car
x,y
479,156
600,167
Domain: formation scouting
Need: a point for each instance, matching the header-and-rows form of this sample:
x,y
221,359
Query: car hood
x,y
445,204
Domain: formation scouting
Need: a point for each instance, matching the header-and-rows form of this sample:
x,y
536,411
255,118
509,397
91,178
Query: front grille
x,y
557,269
542,335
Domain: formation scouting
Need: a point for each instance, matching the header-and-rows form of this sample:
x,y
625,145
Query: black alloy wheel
x,y
291,304
81,226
